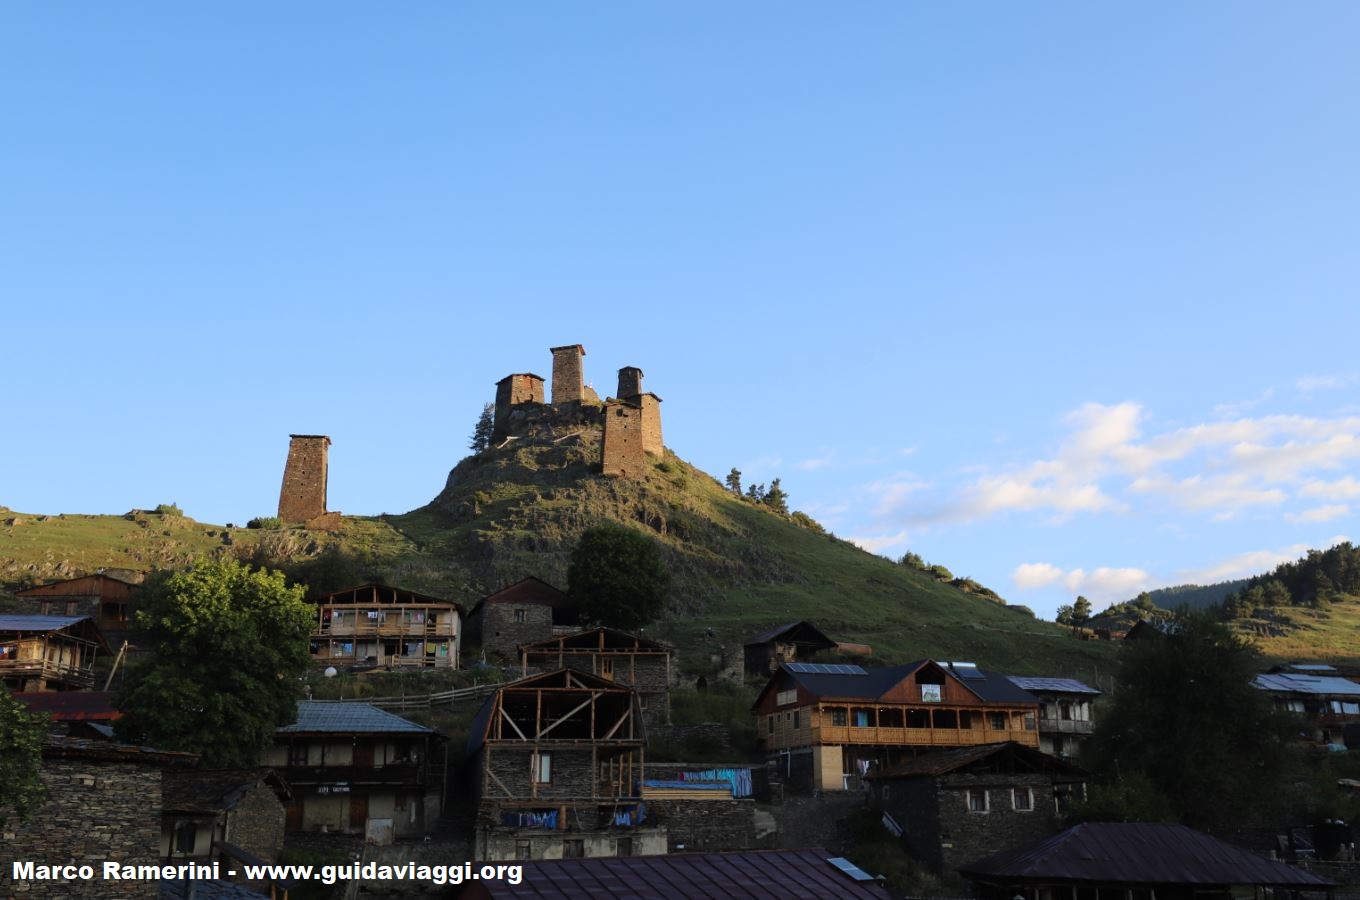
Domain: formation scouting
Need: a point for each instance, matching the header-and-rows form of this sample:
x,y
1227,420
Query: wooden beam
x,y
506,716
627,714
580,706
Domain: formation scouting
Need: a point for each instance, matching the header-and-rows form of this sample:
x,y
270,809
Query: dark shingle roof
x,y
942,762
1138,853
345,717
807,633
988,686
1055,685
214,789
752,875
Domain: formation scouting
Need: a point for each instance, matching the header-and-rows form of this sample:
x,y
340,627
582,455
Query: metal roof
x,y
336,717
875,682
70,706
38,623
752,875
809,634
943,762
1291,683
804,668
1137,853
1055,685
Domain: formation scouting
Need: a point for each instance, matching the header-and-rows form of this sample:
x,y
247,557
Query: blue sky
x,y
1059,295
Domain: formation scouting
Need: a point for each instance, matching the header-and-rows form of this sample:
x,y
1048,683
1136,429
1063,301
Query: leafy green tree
x,y
777,499
1129,798
940,573
1276,594
618,576
481,434
756,493
230,645
1186,717
1145,603
1081,612
912,561
734,481
1064,616
21,741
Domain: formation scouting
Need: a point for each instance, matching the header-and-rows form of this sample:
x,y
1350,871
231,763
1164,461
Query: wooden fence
x,y
424,701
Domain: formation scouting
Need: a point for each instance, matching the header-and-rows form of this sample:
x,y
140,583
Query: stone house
x,y
953,806
378,625
825,726
640,663
103,803
356,769
222,815
1066,713
527,611
106,597
793,642
557,760
49,653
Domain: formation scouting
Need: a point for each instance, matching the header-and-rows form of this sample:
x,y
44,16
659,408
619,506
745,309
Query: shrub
x,y
265,522
168,509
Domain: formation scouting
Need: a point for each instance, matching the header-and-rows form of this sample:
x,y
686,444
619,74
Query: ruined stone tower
x,y
568,376
303,496
512,390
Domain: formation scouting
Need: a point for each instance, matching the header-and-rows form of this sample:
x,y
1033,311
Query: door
x,y
363,756
358,812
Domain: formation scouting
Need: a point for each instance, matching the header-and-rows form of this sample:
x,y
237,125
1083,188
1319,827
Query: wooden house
x,y
388,627
49,653
826,725
640,663
1135,860
1326,702
107,598
793,642
223,816
357,769
558,762
954,806
1066,713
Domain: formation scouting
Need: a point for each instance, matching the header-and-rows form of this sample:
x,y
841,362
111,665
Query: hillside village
x,y
481,711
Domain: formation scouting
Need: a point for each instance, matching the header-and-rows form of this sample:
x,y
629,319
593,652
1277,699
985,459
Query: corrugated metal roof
x,y
1288,682
319,717
1138,853
38,623
753,875
874,683
942,762
1056,685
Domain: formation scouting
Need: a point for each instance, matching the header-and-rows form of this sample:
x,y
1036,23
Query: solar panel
x,y
804,668
967,671
850,868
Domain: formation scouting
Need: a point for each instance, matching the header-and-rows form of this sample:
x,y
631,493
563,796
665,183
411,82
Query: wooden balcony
x,y
918,737
1066,726
68,673
413,630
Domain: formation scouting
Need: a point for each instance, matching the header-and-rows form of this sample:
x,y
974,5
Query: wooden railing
x,y
424,701
944,737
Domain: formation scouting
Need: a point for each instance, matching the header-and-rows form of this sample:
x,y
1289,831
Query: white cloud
x,y
1321,513
1253,562
1347,488
810,465
881,542
1029,576
1310,383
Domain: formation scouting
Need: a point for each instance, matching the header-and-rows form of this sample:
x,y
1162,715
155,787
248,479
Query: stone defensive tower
x,y
630,382
303,496
568,376
512,390
632,427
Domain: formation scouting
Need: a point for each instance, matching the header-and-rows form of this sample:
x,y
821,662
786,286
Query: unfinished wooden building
x,y
558,759
49,653
388,627
641,663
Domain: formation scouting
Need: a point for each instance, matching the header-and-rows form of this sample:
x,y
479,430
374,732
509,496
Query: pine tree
x,y
481,435
734,481
776,499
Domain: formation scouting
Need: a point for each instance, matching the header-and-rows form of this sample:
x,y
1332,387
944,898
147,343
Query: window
x,y
542,768
71,609
297,754
861,718
185,833
977,800
1022,799
524,849
519,615
1029,721
771,721
623,847
784,698
997,720
932,693
607,668
795,719
573,848
838,717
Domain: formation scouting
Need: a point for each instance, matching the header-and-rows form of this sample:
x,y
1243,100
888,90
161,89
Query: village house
x,y
1326,702
106,597
826,725
357,769
1138,860
793,642
388,627
640,663
222,816
558,763
103,803
1066,714
811,874
49,653
527,611
75,713
953,806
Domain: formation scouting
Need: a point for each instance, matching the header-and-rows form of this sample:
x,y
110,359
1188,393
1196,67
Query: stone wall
x,y
623,453
532,843
572,772
651,425
709,734
568,377
513,390
502,634
630,382
705,825
96,810
256,822
303,495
